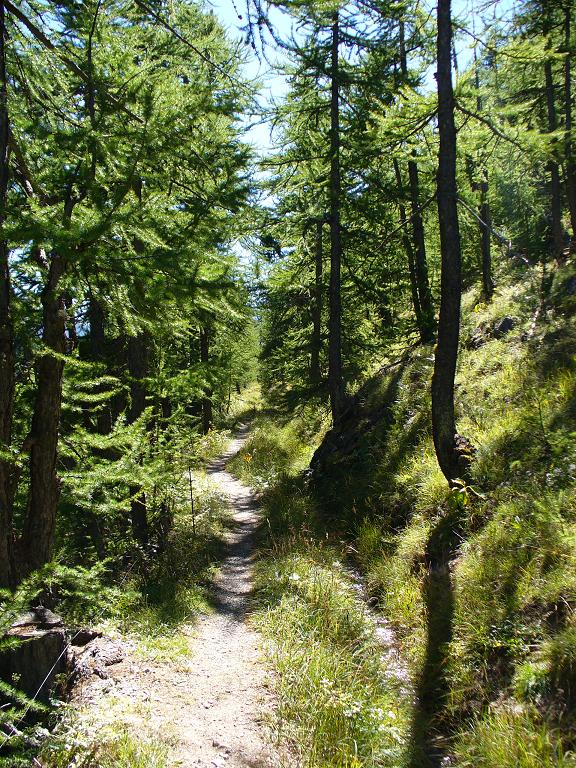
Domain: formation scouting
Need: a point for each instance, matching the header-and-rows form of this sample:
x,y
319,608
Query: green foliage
x,y
336,702
173,589
512,739
113,747
506,537
273,451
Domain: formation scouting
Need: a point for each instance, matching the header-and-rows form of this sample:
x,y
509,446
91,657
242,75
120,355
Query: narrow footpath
x,y
209,707
229,691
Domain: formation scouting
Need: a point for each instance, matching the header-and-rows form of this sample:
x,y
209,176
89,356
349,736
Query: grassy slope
x,y
480,583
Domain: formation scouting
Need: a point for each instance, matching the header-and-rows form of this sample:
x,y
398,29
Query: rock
x,y
84,636
568,287
504,326
39,617
94,657
466,450
479,336
484,332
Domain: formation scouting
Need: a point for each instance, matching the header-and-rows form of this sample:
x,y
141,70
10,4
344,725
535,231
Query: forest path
x,y
209,706
228,690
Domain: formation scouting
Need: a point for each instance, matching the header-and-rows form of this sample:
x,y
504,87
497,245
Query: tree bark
x,y
420,262
7,376
207,399
427,323
336,384
569,153
407,242
485,245
97,321
553,169
484,208
44,493
316,340
443,417
138,367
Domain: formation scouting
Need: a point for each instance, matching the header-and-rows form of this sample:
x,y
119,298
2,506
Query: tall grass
x,y
504,546
337,704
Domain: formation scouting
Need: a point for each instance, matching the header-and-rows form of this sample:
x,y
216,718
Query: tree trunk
x,y
406,241
426,324
316,340
553,169
207,399
443,418
34,665
484,208
44,494
420,263
570,164
335,376
6,338
485,227
97,321
138,365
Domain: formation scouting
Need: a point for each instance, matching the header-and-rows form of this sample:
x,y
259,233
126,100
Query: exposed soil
x,y
210,707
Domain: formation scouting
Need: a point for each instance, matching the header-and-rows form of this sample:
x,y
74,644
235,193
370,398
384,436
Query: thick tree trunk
x,y
443,418
138,367
553,169
570,163
37,661
407,243
420,262
316,340
335,375
6,338
207,399
44,494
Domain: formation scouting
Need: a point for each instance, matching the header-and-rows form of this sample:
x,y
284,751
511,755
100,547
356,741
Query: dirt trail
x,y
229,686
210,707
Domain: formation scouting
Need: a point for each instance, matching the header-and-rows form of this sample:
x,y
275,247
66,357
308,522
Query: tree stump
x,y
33,665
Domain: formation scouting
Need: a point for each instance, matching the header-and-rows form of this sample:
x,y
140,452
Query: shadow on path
x,y
427,747
230,592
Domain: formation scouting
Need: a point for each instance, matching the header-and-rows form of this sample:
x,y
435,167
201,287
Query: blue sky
x,y
274,85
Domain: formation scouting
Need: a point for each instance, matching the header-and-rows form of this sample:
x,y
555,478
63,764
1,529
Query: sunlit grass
x,y
336,704
512,738
95,741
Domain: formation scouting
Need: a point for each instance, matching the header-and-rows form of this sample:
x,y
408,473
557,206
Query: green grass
x,y
173,591
82,744
504,546
337,705
152,608
275,449
512,738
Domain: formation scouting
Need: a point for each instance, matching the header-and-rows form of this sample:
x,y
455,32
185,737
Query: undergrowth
x,y
278,445
84,743
337,703
493,558
479,581
150,604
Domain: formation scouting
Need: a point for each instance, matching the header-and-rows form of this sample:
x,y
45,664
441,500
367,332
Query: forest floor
x,y
210,706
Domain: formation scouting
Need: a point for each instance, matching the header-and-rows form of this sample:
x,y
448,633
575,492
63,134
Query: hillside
x,y
478,581
339,236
